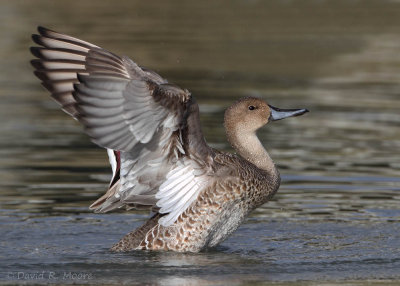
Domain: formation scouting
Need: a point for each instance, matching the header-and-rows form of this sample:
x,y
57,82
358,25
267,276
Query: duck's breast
x,y
244,189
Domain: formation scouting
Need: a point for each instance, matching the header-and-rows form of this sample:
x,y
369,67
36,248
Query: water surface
x,y
336,216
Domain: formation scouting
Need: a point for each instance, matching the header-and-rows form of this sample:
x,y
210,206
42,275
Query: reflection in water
x,y
337,213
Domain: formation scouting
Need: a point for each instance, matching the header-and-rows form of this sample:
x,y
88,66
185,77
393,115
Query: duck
x,y
159,157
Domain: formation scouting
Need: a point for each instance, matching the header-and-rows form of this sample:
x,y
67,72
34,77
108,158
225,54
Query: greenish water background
x,y
336,216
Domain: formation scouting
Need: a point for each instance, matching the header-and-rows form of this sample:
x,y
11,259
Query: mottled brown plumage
x,y
159,157
217,212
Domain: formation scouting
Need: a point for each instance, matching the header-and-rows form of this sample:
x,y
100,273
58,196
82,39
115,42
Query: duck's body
x,y
160,159
218,210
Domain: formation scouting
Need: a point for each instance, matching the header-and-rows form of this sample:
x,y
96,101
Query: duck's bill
x,y
278,114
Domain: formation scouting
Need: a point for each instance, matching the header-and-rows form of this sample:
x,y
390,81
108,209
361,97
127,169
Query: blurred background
x,y
336,216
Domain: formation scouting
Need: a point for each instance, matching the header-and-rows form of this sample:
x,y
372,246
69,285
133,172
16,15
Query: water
x,y
336,216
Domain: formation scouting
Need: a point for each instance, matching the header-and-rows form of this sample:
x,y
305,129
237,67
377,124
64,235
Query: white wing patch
x,y
179,190
113,160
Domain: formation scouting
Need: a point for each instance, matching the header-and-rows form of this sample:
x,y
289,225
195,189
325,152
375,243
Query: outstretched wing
x,y
163,157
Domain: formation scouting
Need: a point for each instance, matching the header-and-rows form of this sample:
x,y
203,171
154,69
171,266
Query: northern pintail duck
x,y
159,157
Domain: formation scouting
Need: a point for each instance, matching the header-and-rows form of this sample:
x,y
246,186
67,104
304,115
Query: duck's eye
x,y
251,107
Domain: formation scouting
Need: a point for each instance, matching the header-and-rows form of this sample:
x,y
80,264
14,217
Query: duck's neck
x,y
250,148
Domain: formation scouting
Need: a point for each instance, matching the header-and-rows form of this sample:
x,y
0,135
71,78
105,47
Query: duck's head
x,y
250,113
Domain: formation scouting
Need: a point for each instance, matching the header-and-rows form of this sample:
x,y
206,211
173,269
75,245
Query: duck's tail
x,y
132,240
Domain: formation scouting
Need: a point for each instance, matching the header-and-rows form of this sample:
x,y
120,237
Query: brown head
x,y
250,113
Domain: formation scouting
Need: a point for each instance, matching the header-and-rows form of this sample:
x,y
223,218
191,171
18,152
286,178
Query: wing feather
x,y
55,35
60,44
179,190
133,110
